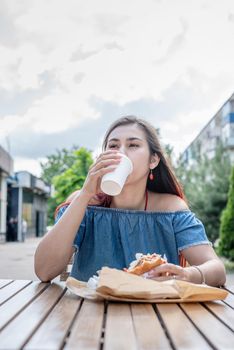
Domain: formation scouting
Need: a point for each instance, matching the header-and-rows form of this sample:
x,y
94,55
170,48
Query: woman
x,y
149,215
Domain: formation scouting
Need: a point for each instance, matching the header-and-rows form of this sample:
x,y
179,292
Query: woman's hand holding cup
x,y
105,163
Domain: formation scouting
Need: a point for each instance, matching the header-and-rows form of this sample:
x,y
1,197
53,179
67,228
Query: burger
x,y
145,263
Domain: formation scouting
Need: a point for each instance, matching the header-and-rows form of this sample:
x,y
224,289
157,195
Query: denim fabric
x,y
111,237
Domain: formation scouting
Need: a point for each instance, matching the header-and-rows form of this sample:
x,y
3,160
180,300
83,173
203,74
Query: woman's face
x,y
131,140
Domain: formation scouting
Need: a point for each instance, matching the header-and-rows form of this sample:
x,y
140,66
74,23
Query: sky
x,y
69,68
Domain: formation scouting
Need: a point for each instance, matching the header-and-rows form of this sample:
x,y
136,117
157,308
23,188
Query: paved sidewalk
x,y
17,262
17,259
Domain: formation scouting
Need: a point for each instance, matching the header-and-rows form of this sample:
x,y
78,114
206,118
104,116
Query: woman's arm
x,y
202,256
55,249
208,262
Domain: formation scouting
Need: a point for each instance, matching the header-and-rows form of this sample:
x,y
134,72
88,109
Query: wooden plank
x,y
16,304
4,283
230,289
180,329
211,327
224,313
149,331
18,332
229,300
87,328
11,289
119,331
54,329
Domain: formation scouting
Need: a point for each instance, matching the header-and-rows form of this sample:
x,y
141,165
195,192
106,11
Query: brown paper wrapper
x,y
121,286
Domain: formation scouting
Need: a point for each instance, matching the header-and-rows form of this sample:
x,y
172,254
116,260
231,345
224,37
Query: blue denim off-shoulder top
x,y
111,237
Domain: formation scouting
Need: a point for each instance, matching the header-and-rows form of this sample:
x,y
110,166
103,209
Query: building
x,y
6,169
219,128
27,202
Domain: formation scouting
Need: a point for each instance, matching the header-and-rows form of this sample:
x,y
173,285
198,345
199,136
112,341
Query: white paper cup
x,y
112,183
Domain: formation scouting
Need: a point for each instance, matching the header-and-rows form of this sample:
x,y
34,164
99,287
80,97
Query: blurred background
x,y
68,69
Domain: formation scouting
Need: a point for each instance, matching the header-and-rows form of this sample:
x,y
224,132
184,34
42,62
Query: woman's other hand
x,y
105,163
168,271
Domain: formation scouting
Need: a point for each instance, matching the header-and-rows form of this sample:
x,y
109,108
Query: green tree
x,y
73,178
65,171
54,165
169,153
206,186
226,244
167,148
57,163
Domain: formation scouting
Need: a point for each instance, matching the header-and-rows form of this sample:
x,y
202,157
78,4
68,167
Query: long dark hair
x,y
165,180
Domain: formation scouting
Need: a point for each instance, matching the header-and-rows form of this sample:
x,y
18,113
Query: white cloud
x,y
9,124
30,165
118,52
181,133
58,112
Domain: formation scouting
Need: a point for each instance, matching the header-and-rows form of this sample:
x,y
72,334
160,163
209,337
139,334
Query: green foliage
x,y
169,152
66,172
57,163
206,186
73,178
226,244
51,206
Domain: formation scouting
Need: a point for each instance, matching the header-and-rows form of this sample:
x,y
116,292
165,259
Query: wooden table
x,y
36,315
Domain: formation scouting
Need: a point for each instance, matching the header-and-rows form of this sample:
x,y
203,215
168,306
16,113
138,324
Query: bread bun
x,y
145,263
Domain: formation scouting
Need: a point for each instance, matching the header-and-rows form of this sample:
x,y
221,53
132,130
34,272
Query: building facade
x,y
6,169
27,205
219,128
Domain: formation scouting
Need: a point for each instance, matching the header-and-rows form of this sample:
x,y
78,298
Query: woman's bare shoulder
x,y
166,202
